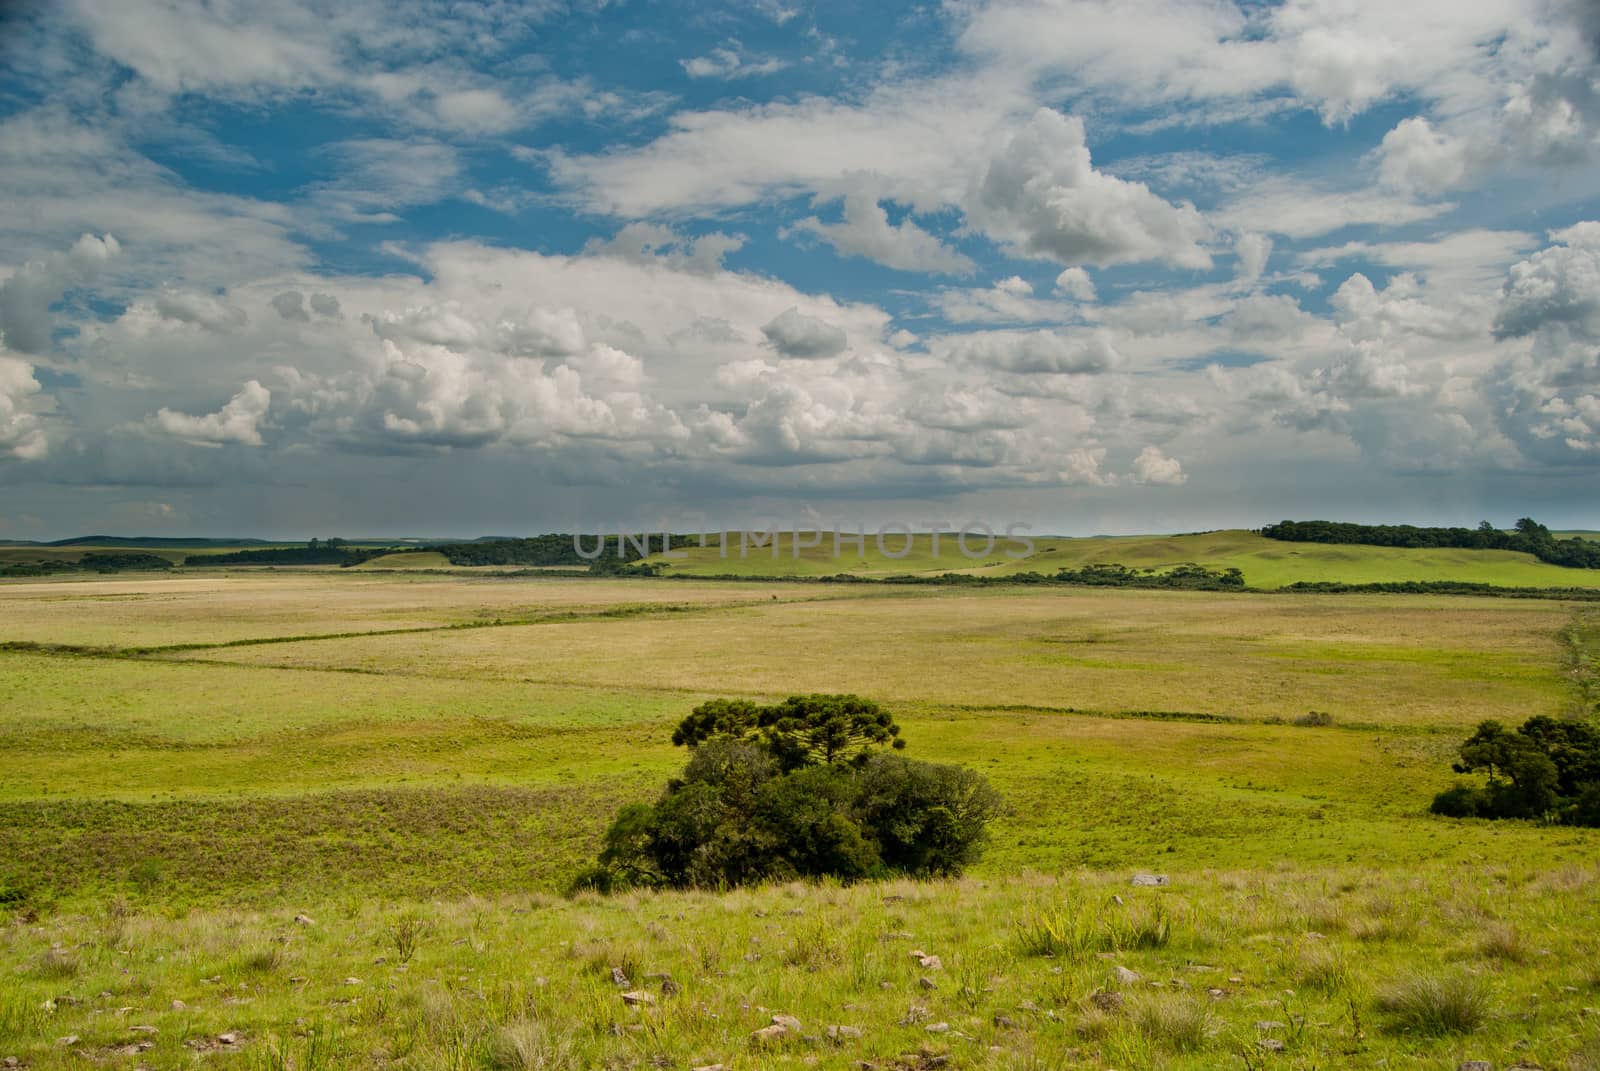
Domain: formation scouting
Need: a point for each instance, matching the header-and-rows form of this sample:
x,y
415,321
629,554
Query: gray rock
x,y
618,978
1269,1024
788,1022
844,1033
927,983
1475,1065
638,998
1124,975
1149,879
1271,1044
938,1028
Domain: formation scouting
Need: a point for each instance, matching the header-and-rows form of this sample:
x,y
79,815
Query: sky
x,y
468,267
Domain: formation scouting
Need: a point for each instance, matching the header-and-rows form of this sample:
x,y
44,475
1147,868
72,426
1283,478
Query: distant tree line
x,y
1528,536
808,787
1187,577
1549,770
115,562
317,552
553,549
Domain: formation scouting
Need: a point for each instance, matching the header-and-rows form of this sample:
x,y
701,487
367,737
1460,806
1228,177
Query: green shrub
x,y
1463,801
799,789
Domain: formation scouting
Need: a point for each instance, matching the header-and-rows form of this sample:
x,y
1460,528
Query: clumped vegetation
x,y
553,549
1548,770
317,552
801,788
94,562
1528,537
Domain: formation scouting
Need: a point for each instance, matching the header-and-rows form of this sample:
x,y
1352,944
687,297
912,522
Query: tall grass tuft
x,y
1063,932
1180,1024
1436,1005
530,1045
1503,942
56,964
1072,931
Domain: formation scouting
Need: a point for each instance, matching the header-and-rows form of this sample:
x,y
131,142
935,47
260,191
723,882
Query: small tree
x,y
802,788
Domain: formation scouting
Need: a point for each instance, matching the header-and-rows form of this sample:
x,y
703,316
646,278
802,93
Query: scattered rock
x,y
638,998
305,920
353,981
914,1015
1236,981
709,1067
70,1039
1271,1044
1116,898
1216,994
1124,975
1004,1022
143,1029
12,1061
769,1035
788,1022
844,1033
1475,1065
178,1005
1149,879
1028,1006
938,1028
230,1038
618,978
927,983
1269,1024
1105,1000
927,962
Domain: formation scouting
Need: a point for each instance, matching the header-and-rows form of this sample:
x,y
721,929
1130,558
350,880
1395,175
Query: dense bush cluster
x,y
1548,770
316,552
1529,536
111,562
1187,577
802,788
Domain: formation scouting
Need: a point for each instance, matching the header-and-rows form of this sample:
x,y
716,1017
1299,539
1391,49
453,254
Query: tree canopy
x,y
808,787
801,730
1548,769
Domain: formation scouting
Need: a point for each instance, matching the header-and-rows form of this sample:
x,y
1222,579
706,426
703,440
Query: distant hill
x,y
1265,563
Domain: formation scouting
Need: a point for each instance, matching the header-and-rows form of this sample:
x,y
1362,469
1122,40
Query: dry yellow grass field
x,y
1376,659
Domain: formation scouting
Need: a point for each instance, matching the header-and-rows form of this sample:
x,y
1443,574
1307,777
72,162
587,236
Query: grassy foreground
x,y
1312,969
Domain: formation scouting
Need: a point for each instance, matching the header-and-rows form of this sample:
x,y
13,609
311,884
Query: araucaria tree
x,y
808,787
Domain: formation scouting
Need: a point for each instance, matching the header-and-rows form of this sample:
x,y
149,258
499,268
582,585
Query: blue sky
x,y
457,267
